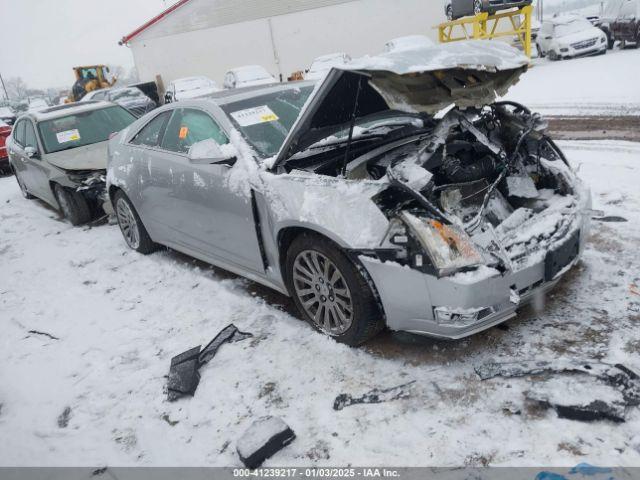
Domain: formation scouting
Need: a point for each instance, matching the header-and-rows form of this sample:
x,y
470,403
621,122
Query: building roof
x,y
153,21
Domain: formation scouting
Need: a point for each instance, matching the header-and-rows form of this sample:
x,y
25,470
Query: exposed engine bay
x,y
476,187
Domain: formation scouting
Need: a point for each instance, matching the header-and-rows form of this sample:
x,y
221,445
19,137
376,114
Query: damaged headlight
x,y
449,248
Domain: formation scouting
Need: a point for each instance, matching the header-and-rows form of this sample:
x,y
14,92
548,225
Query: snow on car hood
x,y
89,157
465,74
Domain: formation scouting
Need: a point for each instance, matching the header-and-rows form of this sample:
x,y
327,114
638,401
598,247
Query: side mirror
x,y
208,152
31,152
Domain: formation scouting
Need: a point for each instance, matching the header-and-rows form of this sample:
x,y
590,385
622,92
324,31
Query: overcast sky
x,y
42,40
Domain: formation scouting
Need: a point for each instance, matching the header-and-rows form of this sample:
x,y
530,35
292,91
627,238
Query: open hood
x,y
87,157
466,74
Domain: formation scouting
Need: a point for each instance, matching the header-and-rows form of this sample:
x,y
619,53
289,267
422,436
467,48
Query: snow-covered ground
x,y
601,85
119,317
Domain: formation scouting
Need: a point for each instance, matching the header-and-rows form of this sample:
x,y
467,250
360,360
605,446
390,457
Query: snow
x,y
602,85
120,317
259,434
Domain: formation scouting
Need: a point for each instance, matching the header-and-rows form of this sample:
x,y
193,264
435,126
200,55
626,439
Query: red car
x,y
5,131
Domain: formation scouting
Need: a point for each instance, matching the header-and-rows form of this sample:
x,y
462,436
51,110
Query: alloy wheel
x,y
477,7
128,224
323,292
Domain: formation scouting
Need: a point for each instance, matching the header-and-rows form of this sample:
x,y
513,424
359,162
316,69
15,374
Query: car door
x,y
210,218
37,168
151,190
462,8
15,150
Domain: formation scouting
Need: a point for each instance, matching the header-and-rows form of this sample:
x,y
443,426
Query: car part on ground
x,y
263,439
184,376
601,391
59,155
395,192
374,396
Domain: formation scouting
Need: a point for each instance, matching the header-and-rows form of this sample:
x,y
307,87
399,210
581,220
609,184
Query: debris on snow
x,y
615,387
263,439
610,219
374,396
63,419
45,334
183,373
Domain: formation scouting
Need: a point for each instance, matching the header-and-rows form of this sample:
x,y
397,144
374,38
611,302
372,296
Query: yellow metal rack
x,y
515,23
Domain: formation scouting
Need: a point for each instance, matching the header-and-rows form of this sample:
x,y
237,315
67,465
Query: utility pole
x,y
4,88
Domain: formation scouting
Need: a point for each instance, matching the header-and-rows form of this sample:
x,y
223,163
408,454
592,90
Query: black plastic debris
x,y
611,219
263,439
184,375
374,396
617,377
64,417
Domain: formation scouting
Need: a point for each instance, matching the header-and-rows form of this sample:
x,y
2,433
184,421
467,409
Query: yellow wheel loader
x,y
88,79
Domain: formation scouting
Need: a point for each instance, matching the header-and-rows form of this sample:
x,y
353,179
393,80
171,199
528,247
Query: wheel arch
x,y
288,234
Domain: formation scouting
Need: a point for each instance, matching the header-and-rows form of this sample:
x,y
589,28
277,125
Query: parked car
x,y
568,37
609,15
130,98
7,115
455,9
365,211
189,87
36,104
626,27
323,64
409,42
60,155
5,131
249,76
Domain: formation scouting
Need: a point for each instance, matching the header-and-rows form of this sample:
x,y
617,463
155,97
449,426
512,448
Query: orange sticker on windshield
x,y
184,131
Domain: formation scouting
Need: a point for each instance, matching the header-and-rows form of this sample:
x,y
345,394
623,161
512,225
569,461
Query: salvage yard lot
x,y
89,327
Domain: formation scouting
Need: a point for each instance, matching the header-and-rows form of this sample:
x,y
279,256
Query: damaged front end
x,y
483,211
496,218
92,184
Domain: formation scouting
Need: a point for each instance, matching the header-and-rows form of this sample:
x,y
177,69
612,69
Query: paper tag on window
x,y
68,136
254,116
184,131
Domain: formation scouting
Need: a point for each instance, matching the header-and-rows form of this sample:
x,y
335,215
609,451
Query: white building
x,y
208,37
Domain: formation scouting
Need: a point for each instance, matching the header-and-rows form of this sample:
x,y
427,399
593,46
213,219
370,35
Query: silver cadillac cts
x,y
395,192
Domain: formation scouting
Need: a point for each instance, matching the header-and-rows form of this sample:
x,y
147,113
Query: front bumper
x,y
411,298
583,52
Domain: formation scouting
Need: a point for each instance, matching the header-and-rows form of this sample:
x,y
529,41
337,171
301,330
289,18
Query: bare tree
x,y
16,87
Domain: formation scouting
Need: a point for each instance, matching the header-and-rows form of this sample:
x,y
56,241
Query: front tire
x,y
477,7
330,292
73,205
133,231
553,56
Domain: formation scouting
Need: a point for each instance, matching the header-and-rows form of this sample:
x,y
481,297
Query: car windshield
x,y
126,93
84,128
193,84
265,121
572,27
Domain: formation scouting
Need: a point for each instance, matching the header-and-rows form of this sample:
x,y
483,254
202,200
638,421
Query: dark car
x,y
626,27
455,9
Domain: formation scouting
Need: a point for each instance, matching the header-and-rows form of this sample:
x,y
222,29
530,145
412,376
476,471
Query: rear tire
x,y
553,56
73,205
330,292
132,228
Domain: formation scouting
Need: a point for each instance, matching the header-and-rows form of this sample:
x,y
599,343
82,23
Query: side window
x,y
188,126
150,135
30,139
18,132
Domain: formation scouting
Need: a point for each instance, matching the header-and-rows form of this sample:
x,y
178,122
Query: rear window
x,y
84,128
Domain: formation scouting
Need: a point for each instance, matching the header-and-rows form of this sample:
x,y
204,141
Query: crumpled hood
x,y
428,79
89,157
